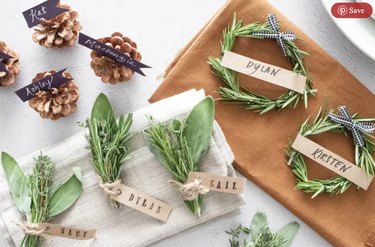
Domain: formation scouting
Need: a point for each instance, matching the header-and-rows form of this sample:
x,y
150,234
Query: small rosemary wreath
x,y
337,184
233,92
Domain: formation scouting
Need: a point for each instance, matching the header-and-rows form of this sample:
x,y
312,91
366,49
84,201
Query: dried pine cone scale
x,y
109,70
58,102
60,31
12,65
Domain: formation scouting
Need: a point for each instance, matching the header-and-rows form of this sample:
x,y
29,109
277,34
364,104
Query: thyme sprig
x,y
232,90
337,184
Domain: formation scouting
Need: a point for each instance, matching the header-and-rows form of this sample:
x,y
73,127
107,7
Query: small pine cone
x,y
12,65
60,31
57,103
109,70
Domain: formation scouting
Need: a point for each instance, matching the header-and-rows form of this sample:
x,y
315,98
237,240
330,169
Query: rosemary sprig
x,y
175,155
108,140
337,184
261,235
40,184
232,90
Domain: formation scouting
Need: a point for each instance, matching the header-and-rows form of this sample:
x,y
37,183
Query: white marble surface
x,y
160,29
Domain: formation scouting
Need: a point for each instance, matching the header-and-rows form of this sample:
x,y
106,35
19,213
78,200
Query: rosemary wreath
x,y
233,92
337,184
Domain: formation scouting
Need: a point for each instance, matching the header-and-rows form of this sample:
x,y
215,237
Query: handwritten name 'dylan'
x,y
36,15
40,85
111,52
319,154
266,69
143,202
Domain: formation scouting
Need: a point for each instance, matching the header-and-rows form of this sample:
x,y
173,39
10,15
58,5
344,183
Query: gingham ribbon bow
x,y
275,33
346,120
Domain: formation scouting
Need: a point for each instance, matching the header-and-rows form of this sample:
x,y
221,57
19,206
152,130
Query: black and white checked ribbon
x,y
275,33
346,120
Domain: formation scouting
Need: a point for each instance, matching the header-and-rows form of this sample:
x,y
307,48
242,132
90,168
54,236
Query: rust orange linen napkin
x,y
258,141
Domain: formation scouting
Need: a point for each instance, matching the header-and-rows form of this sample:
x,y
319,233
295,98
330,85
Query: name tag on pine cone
x,y
264,71
332,161
111,53
46,10
45,84
218,183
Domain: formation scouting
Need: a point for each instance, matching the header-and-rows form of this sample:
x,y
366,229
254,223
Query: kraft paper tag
x,y
264,71
332,161
215,182
142,202
67,232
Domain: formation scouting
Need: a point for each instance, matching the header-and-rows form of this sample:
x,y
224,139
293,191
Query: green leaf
x,y
288,233
198,128
102,110
66,194
18,183
258,224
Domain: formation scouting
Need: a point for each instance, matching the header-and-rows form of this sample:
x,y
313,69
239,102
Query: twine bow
x,y
190,191
346,120
275,33
109,188
33,229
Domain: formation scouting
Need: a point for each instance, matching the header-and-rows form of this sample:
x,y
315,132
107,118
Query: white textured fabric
x,y
126,226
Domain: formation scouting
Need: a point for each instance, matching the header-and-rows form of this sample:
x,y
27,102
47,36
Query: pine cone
x,y
109,70
12,65
57,103
60,31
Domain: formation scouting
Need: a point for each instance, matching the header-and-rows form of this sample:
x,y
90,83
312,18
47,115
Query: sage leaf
x,y
288,233
66,194
198,129
102,111
18,183
258,224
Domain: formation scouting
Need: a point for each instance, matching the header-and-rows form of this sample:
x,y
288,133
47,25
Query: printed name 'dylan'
x,y
262,68
145,203
319,154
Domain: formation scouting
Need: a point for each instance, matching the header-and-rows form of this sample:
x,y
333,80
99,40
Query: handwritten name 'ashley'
x,y
319,154
109,51
38,86
37,14
255,67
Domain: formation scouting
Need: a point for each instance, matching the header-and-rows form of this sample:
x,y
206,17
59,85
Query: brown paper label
x,y
143,203
264,71
332,161
214,182
67,232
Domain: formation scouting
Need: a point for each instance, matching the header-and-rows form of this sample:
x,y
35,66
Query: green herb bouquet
x,y
180,144
108,144
38,196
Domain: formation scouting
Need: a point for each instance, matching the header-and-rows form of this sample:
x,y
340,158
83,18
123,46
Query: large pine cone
x,y
109,70
12,65
60,31
57,103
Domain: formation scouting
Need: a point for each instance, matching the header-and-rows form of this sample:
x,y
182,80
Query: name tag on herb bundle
x,y
218,183
264,71
66,232
332,161
46,10
142,202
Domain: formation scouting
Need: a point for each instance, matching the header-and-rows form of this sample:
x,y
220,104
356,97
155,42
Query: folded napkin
x,y
125,226
258,141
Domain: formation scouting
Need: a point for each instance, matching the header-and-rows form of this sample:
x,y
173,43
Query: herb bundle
x,y
179,145
108,139
261,235
37,196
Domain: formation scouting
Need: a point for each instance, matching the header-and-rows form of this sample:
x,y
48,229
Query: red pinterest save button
x,y
351,10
